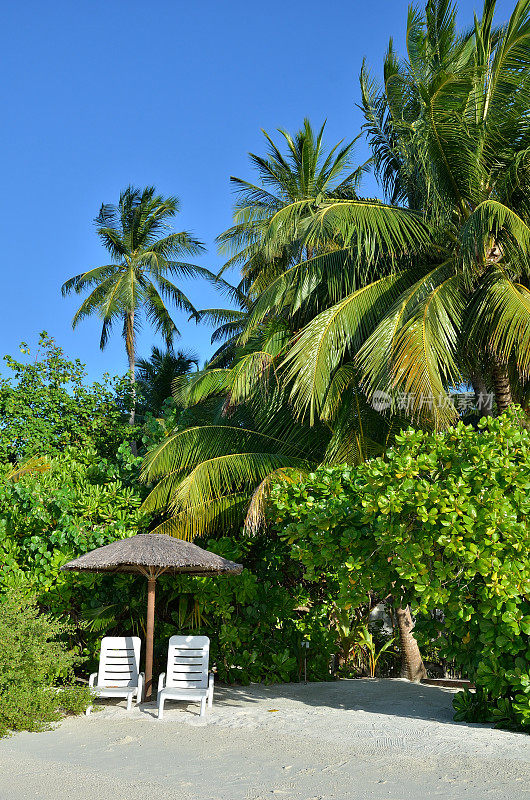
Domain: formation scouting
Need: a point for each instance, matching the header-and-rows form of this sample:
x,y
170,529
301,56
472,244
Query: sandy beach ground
x,y
347,740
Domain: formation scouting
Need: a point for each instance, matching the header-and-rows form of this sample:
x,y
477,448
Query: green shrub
x,y
472,706
80,502
255,630
46,405
440,523
36,668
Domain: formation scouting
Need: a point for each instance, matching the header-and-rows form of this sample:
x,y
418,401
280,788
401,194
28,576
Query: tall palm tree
x,y
156,375
423,292
450,134
136,284
216,472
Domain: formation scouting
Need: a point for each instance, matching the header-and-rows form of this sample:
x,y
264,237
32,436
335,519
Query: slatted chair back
x,y
187,662
119,661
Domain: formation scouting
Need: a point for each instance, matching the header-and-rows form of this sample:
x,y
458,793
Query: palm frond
x,y
500,314
319,349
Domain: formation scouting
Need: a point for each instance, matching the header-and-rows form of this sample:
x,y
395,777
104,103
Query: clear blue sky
x,y
96,95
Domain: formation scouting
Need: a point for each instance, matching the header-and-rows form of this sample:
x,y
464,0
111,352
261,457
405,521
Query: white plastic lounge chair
x,y
119,670
187,673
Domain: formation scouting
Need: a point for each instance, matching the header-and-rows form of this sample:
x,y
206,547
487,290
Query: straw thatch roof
x,y
152,554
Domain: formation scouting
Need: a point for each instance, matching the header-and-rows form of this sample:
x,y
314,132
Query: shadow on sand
x,y
388,696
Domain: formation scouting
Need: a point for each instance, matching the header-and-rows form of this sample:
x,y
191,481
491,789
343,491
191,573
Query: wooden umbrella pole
x,y
149,638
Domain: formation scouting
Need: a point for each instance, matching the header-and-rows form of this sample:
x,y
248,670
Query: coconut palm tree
x,y
136,284
450,134
155,375
418,298
307,171
217,473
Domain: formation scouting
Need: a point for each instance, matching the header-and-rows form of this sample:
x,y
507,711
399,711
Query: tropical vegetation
x,y
156,375
408,299
136,233
36,668
440,523
358,439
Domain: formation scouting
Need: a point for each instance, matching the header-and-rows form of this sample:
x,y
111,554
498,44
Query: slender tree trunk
x,y
129,344
501,383
483,398
411,661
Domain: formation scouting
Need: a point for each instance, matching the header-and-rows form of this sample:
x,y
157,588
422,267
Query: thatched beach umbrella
x,y
152,555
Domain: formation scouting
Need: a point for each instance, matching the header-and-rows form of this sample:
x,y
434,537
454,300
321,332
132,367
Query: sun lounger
x,y
186,677
119,670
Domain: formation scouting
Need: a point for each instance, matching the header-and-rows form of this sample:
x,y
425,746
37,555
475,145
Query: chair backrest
x,y
119,661
187,662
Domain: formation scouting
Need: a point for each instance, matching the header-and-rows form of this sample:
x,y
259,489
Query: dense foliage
x,y
353,305
354,316
440,523
36,668
156,375
65,507
46,406
57,506
80,502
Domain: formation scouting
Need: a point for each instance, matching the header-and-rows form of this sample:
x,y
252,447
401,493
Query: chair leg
x,y
210,698
161,708
129,701
203,707
89,709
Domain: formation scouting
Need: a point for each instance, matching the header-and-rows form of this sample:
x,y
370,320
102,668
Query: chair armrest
x,y
92,679
210,679
161,681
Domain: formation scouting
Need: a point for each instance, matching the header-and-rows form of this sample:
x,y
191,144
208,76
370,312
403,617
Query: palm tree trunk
x,y
483,398
501,383
129,346
411,661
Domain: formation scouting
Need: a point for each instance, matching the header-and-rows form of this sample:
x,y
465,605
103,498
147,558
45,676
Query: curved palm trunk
x,y
501,383
411,660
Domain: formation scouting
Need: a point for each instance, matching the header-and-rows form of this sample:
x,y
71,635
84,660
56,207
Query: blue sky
x,y
97,95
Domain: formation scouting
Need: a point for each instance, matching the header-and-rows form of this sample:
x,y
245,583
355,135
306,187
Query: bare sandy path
x,y
349,740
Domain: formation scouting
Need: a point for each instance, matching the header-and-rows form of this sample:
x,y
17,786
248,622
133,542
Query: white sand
x,y
348,740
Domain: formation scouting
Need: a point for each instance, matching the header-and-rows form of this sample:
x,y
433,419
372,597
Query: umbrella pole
x,y
151,583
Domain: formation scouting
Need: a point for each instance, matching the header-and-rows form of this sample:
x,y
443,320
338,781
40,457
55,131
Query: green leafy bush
x,y
81,501
472,706
252,620
36,668
440,523
46,405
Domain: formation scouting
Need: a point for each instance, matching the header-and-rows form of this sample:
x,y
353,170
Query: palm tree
x,y
242,433
156,375
450,135
136,233
306,172
214,474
